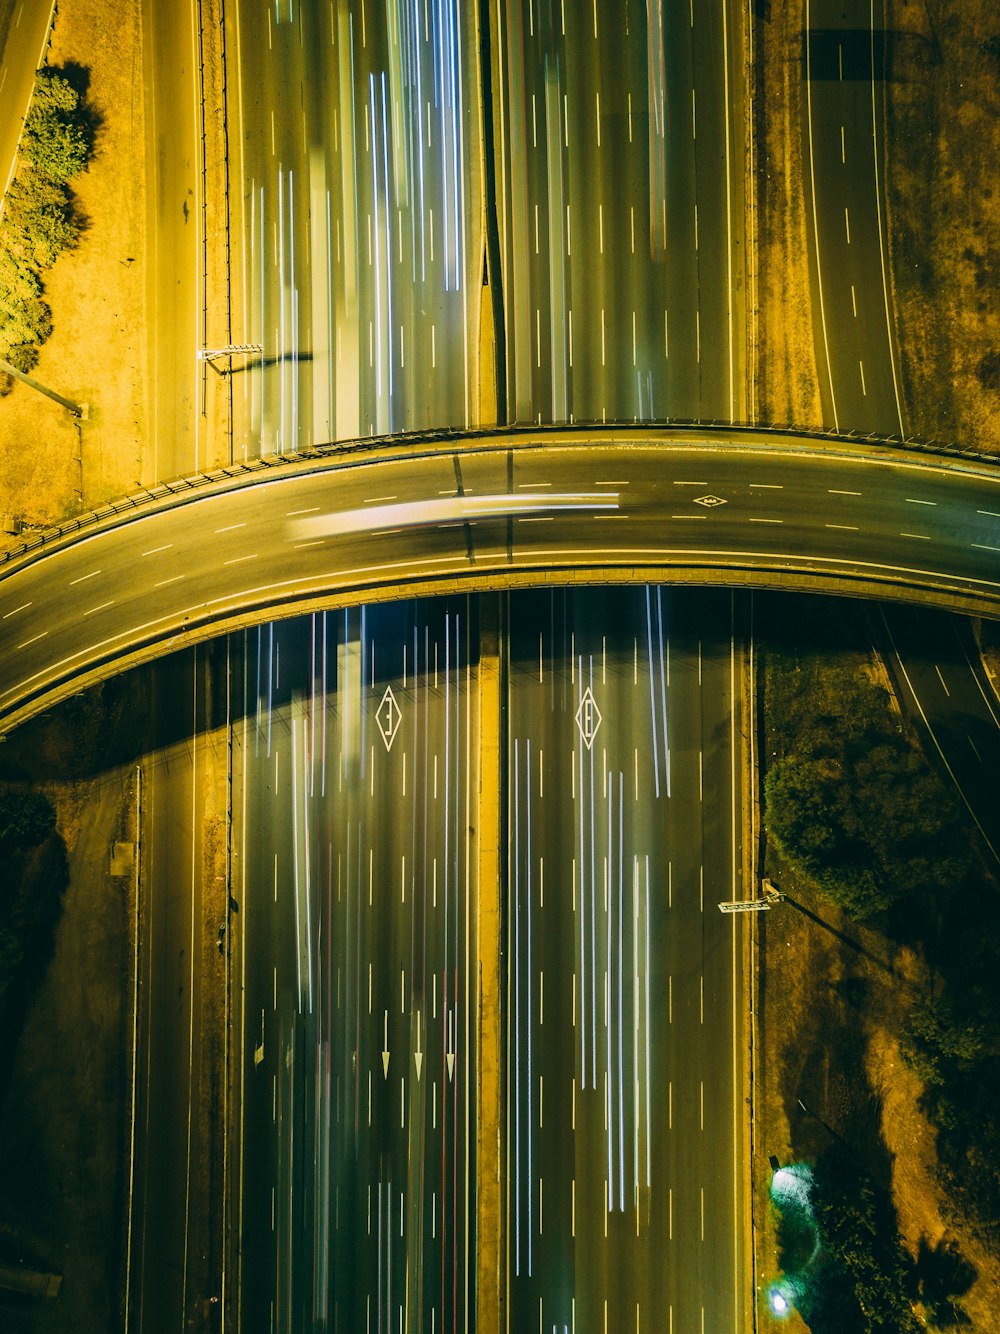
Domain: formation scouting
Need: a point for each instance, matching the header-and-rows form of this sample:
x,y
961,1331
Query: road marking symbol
x,y
710,501
588,718
388,717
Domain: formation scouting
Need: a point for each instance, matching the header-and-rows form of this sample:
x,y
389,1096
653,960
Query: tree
x,y
41,221
859,1232
799,796
56,140
26,819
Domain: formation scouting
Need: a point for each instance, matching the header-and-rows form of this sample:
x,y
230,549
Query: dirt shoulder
x,y
63,1121
50,466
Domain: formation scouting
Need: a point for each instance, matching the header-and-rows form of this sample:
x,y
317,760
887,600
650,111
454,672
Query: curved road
x,y
698,505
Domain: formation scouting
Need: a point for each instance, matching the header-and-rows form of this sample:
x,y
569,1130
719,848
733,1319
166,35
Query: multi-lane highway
x,y
713,506
942,682
174,1233
357,235
843,55
860,372
624,1177
619,205
24,37
355,808
175,282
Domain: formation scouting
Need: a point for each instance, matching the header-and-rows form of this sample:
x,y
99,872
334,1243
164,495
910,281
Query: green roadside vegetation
x,y
889,1013
943,134
40,217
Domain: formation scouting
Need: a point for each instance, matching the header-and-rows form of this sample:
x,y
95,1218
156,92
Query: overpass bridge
x,y
415,515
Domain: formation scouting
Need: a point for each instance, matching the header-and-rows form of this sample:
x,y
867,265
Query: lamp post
x,y
79,410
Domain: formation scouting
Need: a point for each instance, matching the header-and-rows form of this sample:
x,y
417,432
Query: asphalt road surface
x,y
624,1182
843,66
940,679
616,184
358,244
25,28
356,777
173,1252
173,217
843,518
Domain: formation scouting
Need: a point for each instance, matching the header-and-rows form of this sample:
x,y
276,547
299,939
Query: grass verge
x,y
839,995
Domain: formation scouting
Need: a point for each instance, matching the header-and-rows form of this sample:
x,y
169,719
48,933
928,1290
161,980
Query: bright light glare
x,y
451,509
778,1303
792,1183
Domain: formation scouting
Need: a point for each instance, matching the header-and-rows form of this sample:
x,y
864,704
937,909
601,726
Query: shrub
x,y
39,220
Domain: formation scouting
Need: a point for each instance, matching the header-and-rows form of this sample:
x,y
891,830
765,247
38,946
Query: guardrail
x,y
181,486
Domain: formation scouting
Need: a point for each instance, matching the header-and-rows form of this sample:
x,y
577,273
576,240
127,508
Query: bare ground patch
x,y
63,1136
51,467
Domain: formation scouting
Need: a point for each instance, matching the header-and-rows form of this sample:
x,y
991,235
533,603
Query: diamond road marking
x,y
388,717
588,718
709,501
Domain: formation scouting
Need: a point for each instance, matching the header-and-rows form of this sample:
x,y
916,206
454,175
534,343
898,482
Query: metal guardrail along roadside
x,y
149,496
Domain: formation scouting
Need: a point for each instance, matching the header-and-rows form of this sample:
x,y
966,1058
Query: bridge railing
x,y
151,497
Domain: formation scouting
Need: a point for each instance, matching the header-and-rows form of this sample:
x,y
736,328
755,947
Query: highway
x,y
357,245
623,1207
943,685
172,1268
355,768
174,291
571,505
620,210
25,29
939,678
845,199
